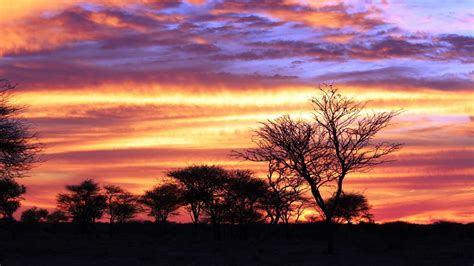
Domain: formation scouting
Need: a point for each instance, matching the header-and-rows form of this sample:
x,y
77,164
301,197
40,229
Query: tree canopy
x,y
84,202
162,201
10,196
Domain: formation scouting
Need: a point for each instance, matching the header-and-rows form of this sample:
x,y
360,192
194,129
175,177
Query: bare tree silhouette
x,y
285,195
162,201
294,208
339,141
10,196
34,215
84,203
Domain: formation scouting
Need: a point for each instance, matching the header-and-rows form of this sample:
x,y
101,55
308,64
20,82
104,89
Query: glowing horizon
x,y
121,91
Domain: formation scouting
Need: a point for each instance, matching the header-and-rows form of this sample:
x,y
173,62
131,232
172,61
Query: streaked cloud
x,y
122,91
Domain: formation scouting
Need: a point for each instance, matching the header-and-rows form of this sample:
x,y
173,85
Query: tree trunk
x,y
277,217
10,218
113,228
195,230
216,231
331,229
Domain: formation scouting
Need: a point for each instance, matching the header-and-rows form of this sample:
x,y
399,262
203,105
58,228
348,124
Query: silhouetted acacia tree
x,y
162,201
243,195
18,145
84,203
215,203
34,215
339,141
121,205
352,207
198,187
57,216
18,150
10,196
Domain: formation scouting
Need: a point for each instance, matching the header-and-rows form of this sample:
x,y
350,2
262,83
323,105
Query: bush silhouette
x,y
352,207
57,216
34,215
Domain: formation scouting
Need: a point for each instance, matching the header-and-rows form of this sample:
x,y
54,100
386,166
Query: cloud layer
x,y
121,91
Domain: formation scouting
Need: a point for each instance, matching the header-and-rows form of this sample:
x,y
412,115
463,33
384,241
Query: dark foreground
x,y
178,244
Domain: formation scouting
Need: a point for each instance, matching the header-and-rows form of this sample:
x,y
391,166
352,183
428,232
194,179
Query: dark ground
x,y
149,244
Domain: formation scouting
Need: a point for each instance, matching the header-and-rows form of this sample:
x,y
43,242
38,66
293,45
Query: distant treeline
x,y
210,194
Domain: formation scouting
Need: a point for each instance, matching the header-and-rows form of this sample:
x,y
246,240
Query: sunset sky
x,y
121,91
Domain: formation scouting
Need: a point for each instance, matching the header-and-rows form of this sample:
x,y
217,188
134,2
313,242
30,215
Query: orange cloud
x,y
197,2
313,15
